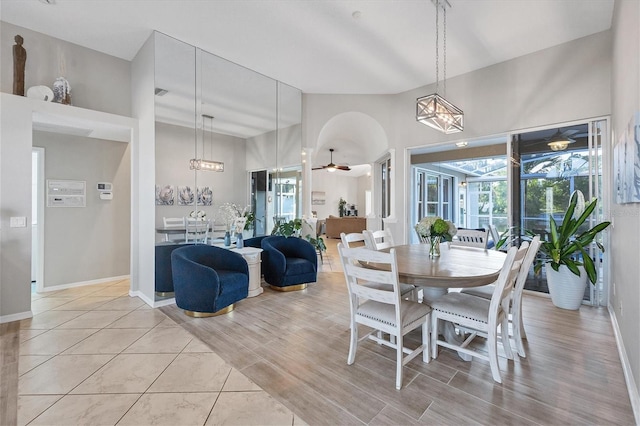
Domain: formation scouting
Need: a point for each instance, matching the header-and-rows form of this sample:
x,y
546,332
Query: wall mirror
x,y
208,108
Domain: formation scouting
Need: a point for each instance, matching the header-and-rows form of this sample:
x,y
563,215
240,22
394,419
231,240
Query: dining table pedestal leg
x,y
446,328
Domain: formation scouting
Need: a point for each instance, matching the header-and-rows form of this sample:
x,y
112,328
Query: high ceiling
x,y
324,46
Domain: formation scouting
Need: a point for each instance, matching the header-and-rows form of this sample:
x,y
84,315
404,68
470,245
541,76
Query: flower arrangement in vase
x,y
198,214
433,230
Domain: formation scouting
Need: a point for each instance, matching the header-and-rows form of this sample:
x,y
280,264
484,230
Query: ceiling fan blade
x,y
345,168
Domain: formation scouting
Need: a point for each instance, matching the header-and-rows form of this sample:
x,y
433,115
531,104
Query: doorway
x,y
37,219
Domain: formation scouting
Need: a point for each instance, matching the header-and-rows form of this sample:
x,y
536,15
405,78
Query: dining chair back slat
x,y
471,238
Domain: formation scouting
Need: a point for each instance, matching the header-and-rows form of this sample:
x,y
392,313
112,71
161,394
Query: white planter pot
x,y
566,288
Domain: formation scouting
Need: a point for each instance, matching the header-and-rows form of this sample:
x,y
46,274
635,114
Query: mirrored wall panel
x,y
228,146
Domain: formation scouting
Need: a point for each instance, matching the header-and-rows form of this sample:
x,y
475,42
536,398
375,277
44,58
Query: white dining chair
x,y
175,223
515,307
480,316
471,238
383,310
495,236
378,240
352,239
357,239
197,231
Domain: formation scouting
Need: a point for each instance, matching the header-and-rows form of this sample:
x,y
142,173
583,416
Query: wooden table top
x,y
456,267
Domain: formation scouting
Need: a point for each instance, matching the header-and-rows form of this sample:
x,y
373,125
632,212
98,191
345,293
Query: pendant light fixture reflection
x,y
434,110
201,163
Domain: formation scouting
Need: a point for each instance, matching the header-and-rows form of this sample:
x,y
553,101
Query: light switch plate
x,y
18,222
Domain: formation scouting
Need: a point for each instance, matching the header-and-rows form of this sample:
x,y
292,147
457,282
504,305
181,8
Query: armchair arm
x,y
275,260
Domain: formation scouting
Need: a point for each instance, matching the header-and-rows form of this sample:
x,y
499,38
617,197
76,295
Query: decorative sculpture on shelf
x,y
19,62
62,91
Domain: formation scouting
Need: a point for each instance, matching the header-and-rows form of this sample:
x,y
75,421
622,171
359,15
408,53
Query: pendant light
x,y
201,163
434,110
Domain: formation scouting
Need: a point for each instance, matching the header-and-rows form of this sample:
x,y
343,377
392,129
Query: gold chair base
x,y
210,314
165,293
289,287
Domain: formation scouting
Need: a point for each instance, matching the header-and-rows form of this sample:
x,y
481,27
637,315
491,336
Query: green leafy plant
x,y
287,229
567,243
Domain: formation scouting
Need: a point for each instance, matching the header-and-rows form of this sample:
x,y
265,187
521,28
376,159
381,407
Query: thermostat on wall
x,y
105,190
105,186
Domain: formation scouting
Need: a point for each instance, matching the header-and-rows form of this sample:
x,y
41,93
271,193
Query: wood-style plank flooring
x,y
294,346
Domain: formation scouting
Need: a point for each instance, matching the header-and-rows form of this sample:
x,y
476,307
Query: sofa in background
x,y
336,225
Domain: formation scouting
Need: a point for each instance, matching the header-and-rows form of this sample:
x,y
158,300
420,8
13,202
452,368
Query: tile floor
x,y
94,355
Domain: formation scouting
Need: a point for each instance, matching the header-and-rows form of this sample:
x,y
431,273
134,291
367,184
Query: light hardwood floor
x,y
294,346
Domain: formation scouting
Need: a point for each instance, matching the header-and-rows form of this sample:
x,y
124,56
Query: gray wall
x,y
90,243
98,81
625,232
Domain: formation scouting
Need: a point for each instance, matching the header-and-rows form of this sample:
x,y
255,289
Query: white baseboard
x,y
83,283
144,298
632,388
16,317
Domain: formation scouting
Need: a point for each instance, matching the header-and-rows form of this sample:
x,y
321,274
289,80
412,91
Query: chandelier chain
x,y
444,50
437,44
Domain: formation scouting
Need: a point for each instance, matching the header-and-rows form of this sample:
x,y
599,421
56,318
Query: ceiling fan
x,y
332,167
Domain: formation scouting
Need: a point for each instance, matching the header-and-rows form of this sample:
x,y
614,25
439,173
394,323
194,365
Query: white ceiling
x,y
319,46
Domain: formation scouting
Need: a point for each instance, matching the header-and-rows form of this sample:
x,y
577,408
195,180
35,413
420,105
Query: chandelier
x,y
201,163
434,110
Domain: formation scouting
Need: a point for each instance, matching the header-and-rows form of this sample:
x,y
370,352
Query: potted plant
x,y
564,254
342,206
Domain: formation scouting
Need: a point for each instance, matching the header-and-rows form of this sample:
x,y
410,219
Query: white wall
x,y
625,232
563,83
335,185
89,243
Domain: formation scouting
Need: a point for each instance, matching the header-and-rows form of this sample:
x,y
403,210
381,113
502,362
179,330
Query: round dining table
x,y
456,267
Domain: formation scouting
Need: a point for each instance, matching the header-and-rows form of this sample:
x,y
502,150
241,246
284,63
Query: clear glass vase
x,y
434,246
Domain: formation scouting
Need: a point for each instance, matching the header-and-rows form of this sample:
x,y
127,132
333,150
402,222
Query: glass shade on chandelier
x,y
437,112
206,165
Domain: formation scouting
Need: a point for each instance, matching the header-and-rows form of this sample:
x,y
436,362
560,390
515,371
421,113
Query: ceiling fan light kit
x,y
434,110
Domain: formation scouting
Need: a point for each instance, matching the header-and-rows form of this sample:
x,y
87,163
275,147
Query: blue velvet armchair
x,y
164,279
289,263
208,280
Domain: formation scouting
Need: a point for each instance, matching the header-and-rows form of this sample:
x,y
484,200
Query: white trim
x,y
40,153
150,302
83,283
16,317
632,388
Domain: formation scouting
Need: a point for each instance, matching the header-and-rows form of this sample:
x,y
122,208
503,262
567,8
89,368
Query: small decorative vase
x,y
434,246
239,240
227,239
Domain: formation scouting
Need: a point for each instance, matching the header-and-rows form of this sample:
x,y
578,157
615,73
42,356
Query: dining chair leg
x,y
493,353
434,336
506,341
353,344
399,356
426,340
